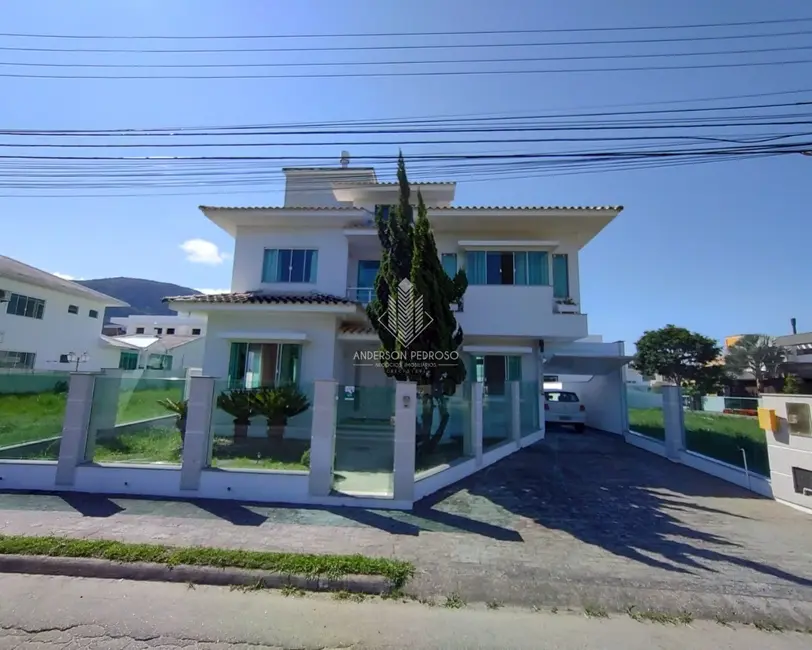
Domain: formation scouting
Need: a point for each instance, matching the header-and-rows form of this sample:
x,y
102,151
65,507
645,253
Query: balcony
x,y
518,310
364,295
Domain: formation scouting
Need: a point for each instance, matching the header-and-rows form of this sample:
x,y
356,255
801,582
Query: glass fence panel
x,y
529,417
497,413
444,427
724,437
364,440
266,428
137,417
645,413
32,410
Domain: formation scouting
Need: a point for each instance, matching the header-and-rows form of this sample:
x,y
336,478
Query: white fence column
x,y
323,437
190,372
75,426
405,440
477,394
673,420
197,440
516,411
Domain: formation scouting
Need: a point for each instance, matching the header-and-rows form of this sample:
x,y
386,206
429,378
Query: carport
x,y
602,388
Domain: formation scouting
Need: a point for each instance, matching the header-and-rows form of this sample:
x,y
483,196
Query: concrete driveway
x,y
576,520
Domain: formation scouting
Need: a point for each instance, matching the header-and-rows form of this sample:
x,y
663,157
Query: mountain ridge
x,y
143,296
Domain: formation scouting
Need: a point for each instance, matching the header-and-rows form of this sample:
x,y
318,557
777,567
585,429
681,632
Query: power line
x,y
344,64
448,73
378,48
748,23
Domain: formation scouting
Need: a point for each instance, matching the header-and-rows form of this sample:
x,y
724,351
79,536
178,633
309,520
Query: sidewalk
x,y
536,529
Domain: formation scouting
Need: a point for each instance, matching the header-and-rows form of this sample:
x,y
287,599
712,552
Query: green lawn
x,y
26,418
716,435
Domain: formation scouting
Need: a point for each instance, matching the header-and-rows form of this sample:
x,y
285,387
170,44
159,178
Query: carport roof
x,y
584,364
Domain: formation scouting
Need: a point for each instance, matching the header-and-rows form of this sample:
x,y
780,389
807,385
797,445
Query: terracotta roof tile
x,y
263,298
357,329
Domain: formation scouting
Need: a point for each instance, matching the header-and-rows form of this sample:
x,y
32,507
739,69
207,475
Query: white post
x,y
322,437
673,422
516,411
405,440
196,443
190,372
75,426
542,401
477,394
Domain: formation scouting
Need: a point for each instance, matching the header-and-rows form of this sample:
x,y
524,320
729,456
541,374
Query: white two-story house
x,y
304,271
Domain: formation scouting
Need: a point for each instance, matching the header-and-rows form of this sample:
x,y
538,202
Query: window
x,y
507,267
550,379
170,330
159,330
384,211
159,362
196,331
20,305
10,359
449,261
128,360
93,313
139,330
561,276
495,370
73,309
264,364
63,358
290,265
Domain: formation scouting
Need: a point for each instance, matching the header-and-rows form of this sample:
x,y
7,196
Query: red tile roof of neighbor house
x,y
357,329
263,298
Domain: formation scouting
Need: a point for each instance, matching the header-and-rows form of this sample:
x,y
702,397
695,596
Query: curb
x,y
198,575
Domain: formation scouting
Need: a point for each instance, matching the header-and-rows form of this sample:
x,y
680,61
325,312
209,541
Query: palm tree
x,y
757,354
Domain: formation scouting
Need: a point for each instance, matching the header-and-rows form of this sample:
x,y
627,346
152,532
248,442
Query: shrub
x,y
305,460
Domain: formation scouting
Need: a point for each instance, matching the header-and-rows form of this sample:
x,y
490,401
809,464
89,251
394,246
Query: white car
x,y
564,407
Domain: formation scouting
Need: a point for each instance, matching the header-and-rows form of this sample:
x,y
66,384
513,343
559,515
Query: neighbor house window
x,y
128,360
159,362
170,330
10,359
63,358
495,370
139,330
159,330
507,267
196,331
561,276
449,261
93,313
73,309
290,265
20,305
264,364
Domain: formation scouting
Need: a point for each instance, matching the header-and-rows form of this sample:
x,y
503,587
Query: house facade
x,y
47,323
303,273
160,325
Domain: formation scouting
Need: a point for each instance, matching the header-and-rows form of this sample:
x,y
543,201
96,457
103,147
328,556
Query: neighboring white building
x,y
303,272
47,323
149,325
143,351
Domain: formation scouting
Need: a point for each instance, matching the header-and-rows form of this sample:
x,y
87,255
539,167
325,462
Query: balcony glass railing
x,y
364,295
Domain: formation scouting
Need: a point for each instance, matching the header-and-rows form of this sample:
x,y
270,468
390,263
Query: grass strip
x,y
302,564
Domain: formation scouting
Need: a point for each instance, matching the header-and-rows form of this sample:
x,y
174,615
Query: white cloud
x,y
213,291
200,251
65,276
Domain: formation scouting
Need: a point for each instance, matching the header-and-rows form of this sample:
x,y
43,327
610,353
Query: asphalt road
x,y
74,613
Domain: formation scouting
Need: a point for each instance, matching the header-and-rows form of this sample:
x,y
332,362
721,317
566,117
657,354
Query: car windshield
x,y
557,396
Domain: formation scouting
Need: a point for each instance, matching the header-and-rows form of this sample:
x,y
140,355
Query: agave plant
x,y
181,409
239,404
277,404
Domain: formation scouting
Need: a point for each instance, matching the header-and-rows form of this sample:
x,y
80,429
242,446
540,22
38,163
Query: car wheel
x,y
579,428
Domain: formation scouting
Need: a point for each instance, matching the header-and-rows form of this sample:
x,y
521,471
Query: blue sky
x,y
718,248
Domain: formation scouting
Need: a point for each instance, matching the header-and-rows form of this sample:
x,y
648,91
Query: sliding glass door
x,y
253,365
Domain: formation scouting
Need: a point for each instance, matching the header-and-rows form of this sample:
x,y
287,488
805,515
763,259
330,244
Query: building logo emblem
x,y
405,318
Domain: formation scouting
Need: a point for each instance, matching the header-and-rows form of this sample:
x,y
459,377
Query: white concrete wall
x,y
318,352
59,332
787,451
183,324
249,250
188,355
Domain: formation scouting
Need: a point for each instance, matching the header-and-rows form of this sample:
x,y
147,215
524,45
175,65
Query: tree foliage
x,y
757,354
410,252
792,385
682,357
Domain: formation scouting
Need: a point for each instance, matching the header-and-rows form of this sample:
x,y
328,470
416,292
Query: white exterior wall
x,y
57,333
183,324
249,251
318,352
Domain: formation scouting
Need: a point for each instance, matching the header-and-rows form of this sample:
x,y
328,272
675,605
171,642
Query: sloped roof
x,y
16,270
461,208
263,298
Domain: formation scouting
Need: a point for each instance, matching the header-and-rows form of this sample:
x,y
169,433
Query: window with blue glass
x,y
561,276
449,261
383,210
292,265
507,267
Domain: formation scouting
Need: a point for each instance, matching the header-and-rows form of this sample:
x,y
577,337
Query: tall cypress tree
x,y
410,252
